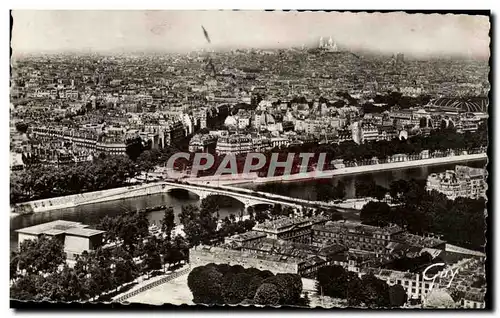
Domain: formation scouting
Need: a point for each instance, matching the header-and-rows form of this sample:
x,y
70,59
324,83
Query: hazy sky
x,y
417,34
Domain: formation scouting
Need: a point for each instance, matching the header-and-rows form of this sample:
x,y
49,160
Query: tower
x,y
321,43
400,58
330,42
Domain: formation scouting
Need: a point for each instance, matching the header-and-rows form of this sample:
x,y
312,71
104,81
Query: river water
x,y
92,213
306,190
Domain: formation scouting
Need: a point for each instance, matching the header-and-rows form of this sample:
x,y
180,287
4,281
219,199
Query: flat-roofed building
x,y
80,239
75,236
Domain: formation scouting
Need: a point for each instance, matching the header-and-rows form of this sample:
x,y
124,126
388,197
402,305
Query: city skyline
x,y
415,35
212,158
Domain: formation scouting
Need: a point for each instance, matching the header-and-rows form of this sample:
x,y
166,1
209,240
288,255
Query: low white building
x,y
75,236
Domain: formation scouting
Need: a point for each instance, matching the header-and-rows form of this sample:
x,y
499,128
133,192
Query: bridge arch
x,y
259,205
173,190
227,200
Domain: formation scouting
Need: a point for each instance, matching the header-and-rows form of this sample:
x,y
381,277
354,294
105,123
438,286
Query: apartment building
x,y
462,182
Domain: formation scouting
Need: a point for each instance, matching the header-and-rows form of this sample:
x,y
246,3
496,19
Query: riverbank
x,y
71,201
75,200
313,175
371,168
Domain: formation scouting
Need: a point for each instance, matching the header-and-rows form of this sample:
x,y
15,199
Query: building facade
x,y
462,182
290,229
75,236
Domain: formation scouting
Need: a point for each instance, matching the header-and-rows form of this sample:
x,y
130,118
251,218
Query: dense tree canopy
x,y
41,182
168,222
41,256
397,296
225,284
38,271
459,221
336,282
22,127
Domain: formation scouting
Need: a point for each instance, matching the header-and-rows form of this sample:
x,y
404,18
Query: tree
x,y
235,287
397,295
133,148
457,295
335,216
332,281
376,292
27,288
100,279
63,286
205,283
125,268
168,222
267,294
375,213
147,162
43,255
14,261
261,216
22,127
109,225
210,204
324,191
355,290
131,229
288,286
339,190
276,210
287,211
253,285
379,192
251,212
199,226
152,257
365,188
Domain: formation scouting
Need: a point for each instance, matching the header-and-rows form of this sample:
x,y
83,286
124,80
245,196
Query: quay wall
x,y
158,187
371,168
200,256
87,198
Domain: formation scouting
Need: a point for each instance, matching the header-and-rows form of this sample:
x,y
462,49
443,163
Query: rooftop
x,y
282,223
50,227
59,227
247,236
267,257
419,241
79,231
353,227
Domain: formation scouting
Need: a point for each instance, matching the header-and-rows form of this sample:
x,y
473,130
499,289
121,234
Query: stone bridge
x,y
248,200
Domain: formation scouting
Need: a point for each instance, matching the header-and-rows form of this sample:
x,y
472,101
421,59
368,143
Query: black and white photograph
x,y
291,159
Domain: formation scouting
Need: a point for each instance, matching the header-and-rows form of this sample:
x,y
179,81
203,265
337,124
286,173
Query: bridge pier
x,y
202,195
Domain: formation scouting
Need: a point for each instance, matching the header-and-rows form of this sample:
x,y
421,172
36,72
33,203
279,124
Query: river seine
x,y
92,213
